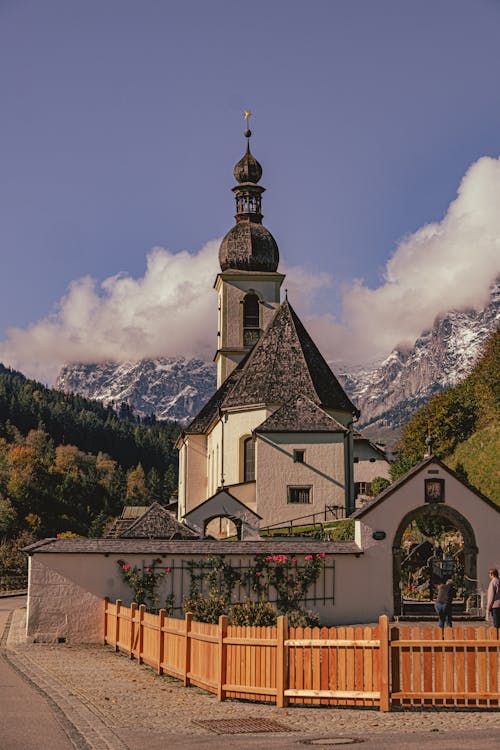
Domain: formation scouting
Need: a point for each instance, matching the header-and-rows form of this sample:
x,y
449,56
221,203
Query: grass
x,y
479,457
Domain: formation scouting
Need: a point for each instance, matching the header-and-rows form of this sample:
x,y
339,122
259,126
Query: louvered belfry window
x,y
251,319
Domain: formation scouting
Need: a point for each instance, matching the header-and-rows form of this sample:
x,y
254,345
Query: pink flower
x,y
308,557
269,558
258,573
126,567
168,570
148,570
320,554
294,559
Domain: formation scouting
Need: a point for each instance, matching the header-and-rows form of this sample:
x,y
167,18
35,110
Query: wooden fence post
x,y
142,609
221,693
161,645
385,663
282,662
187,649
117,623
106,623
133,608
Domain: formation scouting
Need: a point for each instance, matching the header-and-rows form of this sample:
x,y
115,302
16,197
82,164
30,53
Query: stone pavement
x,y
113,704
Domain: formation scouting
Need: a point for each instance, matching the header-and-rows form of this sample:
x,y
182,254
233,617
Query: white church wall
x,y
195,474
322,470
239,425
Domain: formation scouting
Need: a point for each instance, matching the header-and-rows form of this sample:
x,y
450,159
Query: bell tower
x,y
248,285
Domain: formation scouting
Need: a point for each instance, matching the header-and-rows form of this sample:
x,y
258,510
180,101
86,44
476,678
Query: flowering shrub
x,y
144,583
290,579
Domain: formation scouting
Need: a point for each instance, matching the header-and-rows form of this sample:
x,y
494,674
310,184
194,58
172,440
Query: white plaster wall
x,y
370,463
195,470
66,592
238,425
323,469
387,515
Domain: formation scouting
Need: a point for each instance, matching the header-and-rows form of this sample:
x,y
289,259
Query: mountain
x,y
390,393
387,394
170,388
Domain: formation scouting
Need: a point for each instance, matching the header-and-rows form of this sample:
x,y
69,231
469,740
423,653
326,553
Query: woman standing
x,y
493,606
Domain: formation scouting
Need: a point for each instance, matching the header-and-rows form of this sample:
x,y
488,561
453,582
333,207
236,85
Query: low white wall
x,y
66,592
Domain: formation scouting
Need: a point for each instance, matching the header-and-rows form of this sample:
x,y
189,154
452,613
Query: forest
x,y
69,464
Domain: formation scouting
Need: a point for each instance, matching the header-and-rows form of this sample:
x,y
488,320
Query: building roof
x,y
158,523
367,507
284,363
185,547
130,514
300,414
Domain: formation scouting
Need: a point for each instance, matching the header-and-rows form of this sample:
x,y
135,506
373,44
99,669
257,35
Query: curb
x,y
84,728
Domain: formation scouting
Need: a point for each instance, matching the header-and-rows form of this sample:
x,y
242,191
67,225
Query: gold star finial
x,y
248,114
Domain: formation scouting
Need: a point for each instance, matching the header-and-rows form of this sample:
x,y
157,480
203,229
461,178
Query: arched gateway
x,y
469,549
428,493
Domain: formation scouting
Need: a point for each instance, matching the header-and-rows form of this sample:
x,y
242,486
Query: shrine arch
x,y
456,519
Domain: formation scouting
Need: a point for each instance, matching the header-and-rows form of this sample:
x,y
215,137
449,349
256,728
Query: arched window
x,y
249,460
251,319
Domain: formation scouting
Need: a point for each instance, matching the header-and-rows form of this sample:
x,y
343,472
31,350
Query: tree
x,y
137,491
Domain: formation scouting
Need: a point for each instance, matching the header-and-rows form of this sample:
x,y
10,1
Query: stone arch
x,y
226,516
433,510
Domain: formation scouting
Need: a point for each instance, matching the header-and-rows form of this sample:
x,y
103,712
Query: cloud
x,y
171,310
443,266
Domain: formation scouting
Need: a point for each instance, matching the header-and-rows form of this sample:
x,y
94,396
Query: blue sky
x,y
121,122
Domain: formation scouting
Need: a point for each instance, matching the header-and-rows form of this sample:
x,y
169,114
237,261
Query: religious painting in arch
x,y
434,544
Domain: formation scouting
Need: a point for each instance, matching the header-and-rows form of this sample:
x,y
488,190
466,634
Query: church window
x,y
251,319
300,495
298,456
249,460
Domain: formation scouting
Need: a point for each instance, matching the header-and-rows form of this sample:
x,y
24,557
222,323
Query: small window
x,y
372,460
300,495
298,456
362,488
249,460
356,460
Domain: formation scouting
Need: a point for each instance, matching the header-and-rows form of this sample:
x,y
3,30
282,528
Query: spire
x,y
248,246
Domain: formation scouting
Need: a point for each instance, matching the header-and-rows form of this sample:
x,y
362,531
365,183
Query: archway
x,y
465,561
222,527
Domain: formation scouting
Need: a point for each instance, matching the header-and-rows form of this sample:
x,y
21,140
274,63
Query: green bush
x,y
253,613
206,608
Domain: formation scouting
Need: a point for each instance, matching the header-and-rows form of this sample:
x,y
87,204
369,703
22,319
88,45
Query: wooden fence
x,y
379,666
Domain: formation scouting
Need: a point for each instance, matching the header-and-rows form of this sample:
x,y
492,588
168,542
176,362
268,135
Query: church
x,y
276,443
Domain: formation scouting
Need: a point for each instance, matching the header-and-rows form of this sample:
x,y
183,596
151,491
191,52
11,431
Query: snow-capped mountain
x,y
388,394
168,387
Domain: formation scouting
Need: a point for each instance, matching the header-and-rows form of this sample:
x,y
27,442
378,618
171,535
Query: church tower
x,y
248,285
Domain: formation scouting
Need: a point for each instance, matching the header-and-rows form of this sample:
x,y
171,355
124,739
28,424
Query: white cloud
x,y
445,265
171,310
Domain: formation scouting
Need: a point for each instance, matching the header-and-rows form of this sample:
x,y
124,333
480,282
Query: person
x,y
493,606
444,602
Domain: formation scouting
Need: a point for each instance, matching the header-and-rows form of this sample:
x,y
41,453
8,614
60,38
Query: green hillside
x,y
463,425
68,463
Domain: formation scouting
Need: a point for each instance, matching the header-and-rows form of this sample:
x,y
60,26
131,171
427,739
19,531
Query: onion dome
x,y
248,246
248,168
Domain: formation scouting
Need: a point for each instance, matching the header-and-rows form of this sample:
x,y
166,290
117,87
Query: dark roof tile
x,y
300,414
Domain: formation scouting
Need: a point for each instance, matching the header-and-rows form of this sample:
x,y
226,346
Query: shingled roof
x,y
286,362
158,523
300,414
283,364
